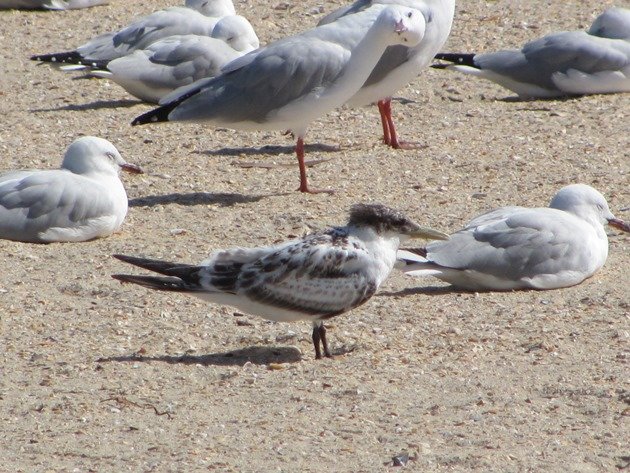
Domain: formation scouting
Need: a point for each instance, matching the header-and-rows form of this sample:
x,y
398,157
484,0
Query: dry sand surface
x,y
99,376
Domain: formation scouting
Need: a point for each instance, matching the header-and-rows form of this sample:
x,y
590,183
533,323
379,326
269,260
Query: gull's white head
x,y
588,204
93,155
389,223
212,8
614,23
406,24
237,32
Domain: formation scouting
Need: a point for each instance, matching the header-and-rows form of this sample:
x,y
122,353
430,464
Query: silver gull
x,y
520,248
139,34
179,60
82,200
295,80
559,64
400,65
50,4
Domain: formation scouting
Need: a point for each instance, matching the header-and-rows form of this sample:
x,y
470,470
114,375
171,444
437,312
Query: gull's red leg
x,y
299,152
384,122
394,142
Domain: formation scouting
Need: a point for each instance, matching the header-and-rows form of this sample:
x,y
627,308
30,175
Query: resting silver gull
x,y
179,60
141,33
82,200
519,248
559,64
50,4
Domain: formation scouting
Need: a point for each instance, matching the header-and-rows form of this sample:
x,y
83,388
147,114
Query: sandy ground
x,y
97,376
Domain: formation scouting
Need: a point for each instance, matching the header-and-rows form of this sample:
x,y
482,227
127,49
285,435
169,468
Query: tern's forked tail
x,y
179,277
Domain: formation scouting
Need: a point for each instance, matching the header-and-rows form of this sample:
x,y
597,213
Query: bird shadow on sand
x,y
427,291
541,100
270,149
198,198
96,105
254,354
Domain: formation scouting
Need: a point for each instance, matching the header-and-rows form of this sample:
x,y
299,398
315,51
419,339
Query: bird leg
x,y
390,137
299,152
319,335
381,109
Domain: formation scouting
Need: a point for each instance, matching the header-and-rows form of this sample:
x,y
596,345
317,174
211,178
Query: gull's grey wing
x,y
347,10
393,57
195,57
540,59
161,24
525,244
274,77
31,203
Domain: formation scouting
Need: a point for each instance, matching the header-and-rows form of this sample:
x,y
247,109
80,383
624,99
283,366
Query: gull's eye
x,y
409,15
110,156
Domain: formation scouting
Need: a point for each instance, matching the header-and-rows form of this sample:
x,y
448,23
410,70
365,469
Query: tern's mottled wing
x,y
323,275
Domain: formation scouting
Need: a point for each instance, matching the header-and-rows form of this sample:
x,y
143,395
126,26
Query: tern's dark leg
x,y
319,335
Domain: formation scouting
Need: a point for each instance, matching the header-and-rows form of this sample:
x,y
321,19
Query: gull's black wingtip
x,y
157,115
455,58
67,57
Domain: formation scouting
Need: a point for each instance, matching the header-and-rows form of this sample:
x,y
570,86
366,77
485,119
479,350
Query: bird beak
x,y
400,27
427,233
131,168
620,224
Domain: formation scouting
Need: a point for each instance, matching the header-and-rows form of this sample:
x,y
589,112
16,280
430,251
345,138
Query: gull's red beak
x,y
131,168
400,27
620,224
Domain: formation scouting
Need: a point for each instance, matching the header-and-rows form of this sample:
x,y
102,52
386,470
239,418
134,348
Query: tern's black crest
x,y
459,59
379,217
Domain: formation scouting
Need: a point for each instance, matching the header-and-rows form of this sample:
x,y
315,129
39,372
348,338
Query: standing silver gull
x,y
179,60
519,248
295,80
142,32
320,276
399,65
82,200
559,64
